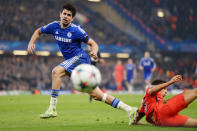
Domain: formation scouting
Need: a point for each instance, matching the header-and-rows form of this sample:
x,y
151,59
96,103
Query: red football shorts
x,y
167,112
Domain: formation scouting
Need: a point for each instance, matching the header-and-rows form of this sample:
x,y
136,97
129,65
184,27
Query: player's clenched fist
x,y
176,78
94,55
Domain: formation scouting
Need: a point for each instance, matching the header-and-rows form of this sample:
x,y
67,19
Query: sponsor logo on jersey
x,y
62,39
147,63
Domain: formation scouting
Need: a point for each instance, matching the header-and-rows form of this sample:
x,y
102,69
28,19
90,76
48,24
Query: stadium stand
x,y
22,20
179,21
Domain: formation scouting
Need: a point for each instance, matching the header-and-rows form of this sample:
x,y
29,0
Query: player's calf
x,y
191,123
190,95
97,94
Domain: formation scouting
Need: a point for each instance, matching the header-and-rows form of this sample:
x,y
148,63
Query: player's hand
x,y
176,78
141,68
31,48
93,54
138,123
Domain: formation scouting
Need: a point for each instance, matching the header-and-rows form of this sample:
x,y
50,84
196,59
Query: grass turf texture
x,y
21,113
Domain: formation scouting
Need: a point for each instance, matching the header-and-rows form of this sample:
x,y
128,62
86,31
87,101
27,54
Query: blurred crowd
x,y
28,72
169,66
34,72
23,17
179,20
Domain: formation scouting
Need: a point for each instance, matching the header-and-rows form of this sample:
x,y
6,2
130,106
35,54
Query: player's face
x,y
130,61
147,55
66,17
164,92
119,62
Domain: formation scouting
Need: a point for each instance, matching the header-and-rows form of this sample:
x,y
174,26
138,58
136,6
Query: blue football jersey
x,y
69,39
148,64
130,69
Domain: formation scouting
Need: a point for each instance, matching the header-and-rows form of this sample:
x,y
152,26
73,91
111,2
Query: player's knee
x,y
191,123
96,97
55,73
195,91
191,92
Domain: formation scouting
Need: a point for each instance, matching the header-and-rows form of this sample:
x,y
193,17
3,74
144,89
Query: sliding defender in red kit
x,y
165,113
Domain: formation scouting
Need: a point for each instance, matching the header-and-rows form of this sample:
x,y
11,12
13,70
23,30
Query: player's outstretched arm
x,y
157,88
35,36
93,48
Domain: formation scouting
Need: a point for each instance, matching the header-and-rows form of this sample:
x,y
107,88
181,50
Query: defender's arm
x,y
157,88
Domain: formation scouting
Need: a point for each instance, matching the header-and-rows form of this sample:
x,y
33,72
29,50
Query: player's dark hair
x,y
70,7
157,82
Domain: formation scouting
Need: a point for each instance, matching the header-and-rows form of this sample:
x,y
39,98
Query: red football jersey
x,y
150,102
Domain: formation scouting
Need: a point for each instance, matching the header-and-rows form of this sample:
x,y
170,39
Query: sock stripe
x,y
115,103
55,93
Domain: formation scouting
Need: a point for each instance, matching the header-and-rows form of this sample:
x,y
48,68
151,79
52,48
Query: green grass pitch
x,y
21,113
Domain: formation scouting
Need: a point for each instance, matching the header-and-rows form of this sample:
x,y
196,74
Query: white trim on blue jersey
x,y
69,62
143,59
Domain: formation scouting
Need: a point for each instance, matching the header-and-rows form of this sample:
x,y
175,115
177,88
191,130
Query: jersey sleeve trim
x,y
48,28
86,39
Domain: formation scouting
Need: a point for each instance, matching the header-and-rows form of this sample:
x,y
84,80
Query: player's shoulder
x,y
74,26
143,59
77,28
147,88
54,24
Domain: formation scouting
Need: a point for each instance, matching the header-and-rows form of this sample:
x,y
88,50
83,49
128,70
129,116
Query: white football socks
x,y
53,103
121,105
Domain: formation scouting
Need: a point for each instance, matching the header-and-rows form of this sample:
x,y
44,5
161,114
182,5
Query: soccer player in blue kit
x,y
69,38
130,74
147,65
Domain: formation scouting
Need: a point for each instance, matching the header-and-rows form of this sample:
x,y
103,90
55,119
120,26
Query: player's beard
x,y
66,24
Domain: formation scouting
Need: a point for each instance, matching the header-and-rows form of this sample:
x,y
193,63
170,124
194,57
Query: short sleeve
x,y
83,36
147,90
47,29
141,63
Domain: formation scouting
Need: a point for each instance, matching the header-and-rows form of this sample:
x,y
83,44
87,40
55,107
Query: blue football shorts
x,y
129,79
147,76
73,62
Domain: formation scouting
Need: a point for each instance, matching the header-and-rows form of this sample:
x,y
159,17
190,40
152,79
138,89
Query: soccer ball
x,y
85,78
